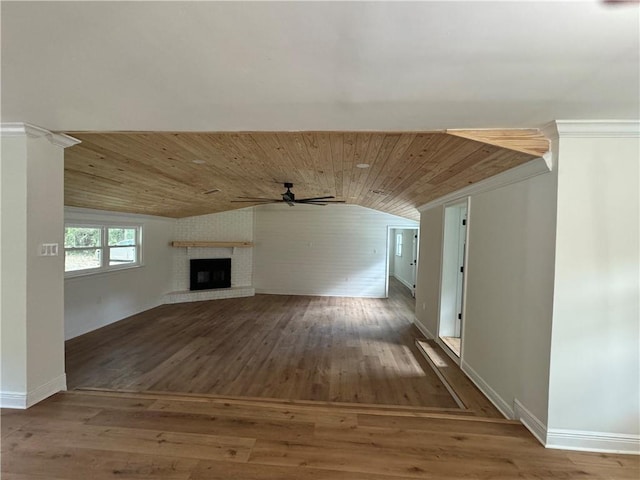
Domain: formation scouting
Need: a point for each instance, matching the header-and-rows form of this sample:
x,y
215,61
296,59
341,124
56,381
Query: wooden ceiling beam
x,y
525,140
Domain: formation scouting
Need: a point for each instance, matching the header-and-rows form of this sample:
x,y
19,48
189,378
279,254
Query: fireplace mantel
x,y
211,244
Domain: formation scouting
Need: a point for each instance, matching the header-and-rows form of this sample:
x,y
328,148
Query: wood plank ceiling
x,y
168,174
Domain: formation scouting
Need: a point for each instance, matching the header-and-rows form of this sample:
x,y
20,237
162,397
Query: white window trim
x,y
104,247
399,244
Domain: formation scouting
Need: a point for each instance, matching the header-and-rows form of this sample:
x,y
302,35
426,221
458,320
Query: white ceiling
x,y
209,66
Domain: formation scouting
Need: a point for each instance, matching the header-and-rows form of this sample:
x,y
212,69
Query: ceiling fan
x,y
289,198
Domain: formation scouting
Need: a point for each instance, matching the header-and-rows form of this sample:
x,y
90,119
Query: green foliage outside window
x,y
82,237
122,236
100,247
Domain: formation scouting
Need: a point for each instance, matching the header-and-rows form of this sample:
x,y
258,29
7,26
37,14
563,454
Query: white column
x,y
594,388
32,284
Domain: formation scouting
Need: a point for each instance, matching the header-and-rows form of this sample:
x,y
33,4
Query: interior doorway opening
x,y
402,258
451,322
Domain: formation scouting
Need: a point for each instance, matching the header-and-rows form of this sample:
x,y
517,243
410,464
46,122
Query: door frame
x,y
465,277
390,228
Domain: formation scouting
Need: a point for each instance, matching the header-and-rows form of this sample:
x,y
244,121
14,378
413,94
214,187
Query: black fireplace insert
x,y
208,273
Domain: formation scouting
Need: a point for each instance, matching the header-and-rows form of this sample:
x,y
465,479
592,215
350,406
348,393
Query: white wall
x,y
400,267
45,285
32,326
429,267
508,311
509,275
93,301
594,388
232,226
336,250
13,334
553,297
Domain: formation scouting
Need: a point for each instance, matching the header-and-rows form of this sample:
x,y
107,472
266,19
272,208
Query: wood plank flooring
x,y
465,390
453,343
109,435
286,347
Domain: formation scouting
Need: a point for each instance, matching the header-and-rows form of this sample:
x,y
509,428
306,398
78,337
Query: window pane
x,y
82,237
122,236
122,255
82,259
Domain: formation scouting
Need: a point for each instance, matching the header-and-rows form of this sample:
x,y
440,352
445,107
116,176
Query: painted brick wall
x,y
336,250
233,226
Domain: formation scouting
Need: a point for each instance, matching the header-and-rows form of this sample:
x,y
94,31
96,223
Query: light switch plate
x,y
49,250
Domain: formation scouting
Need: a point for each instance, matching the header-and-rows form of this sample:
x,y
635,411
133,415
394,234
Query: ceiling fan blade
x,y
315,198
255,201
324,201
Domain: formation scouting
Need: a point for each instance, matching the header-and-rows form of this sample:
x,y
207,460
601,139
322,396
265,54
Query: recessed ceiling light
x,y
199,162
363,165
213,190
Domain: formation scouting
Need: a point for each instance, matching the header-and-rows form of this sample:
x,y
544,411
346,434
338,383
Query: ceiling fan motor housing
x,y
288,196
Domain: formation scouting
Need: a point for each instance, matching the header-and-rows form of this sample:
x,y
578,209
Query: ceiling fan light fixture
x,y
289,198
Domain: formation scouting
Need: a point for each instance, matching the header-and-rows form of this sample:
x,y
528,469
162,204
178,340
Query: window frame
x,y
399,244
104,248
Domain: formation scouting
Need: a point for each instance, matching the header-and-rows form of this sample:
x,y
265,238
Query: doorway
x,y
450,327
402,258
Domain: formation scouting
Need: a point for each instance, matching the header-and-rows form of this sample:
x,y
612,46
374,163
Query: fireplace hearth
x,y
210,273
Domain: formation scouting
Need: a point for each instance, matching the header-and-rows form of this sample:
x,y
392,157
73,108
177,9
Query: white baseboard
x,y
53,386
13,400
425,331
488,392
26,400
576,439
593,441
530,421
310,293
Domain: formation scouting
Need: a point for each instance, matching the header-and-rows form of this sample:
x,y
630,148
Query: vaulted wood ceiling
x,y
168,174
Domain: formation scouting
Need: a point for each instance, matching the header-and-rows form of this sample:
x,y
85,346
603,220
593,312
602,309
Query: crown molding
x,y
26,129
597,128
527,170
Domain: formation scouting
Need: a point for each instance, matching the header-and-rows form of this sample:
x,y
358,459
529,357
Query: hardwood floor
x,y
462,387
312,351
98,436
286,347
453,343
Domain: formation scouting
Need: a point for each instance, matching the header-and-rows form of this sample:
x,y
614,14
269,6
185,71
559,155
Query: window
x,y
399,240
99,248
